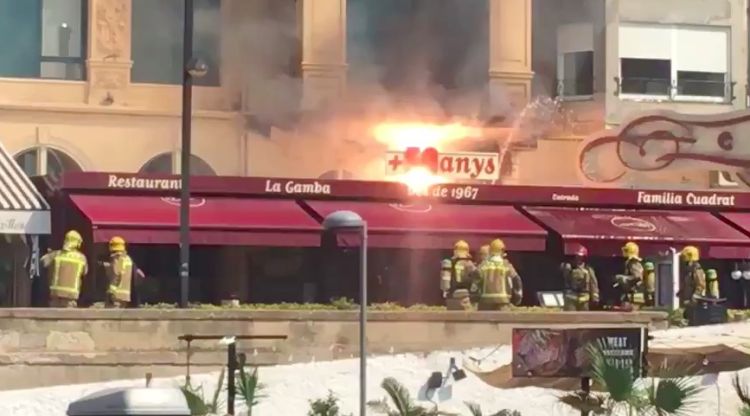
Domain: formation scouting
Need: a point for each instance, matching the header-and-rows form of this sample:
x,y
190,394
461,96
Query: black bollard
x,y
586,388
231,369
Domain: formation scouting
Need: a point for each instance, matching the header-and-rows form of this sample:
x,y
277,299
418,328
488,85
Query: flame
x,y
402,135
419,180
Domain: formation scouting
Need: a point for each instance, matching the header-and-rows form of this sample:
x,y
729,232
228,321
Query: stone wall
x,y
40,347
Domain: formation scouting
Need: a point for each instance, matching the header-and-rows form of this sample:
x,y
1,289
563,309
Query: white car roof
x,y
136,401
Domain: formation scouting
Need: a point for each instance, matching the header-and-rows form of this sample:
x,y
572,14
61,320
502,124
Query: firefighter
x,y
649,283
455,277
65,269
693,283
499,283
120,270
581,286
631,282
483,255
712,284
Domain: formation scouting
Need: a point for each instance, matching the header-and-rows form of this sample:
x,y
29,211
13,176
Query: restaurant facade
x,y
260,239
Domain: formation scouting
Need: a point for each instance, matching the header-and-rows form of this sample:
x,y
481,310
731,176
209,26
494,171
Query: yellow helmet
x,y
497,246
117,244
690,253
72,240
484,250
461,245
630,250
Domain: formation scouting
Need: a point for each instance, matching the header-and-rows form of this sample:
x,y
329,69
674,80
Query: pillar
x,y
323,25
510,54
108,64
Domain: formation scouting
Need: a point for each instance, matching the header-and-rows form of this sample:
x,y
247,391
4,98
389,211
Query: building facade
x,y
609,61
93,85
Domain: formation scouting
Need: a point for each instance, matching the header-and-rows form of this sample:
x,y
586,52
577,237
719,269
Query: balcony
x,y
685,90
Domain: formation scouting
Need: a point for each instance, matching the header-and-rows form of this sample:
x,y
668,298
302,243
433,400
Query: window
x,y
162,164
157,40
43,39
575,60
675,62
57,162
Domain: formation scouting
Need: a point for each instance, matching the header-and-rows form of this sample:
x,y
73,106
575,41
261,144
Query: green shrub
x,y
325,407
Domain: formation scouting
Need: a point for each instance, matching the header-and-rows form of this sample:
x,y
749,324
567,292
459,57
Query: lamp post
x,y
351,221
191,68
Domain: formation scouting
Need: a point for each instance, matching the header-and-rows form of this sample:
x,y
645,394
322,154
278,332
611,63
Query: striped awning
x,y
23,209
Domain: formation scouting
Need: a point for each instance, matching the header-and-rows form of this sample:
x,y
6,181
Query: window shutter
x,y
701,49
645,42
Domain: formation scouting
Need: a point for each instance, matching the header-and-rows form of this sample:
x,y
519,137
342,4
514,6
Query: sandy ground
x,y
290,387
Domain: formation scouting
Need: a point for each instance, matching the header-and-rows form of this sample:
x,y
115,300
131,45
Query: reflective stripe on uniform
x,y
126,263
78,261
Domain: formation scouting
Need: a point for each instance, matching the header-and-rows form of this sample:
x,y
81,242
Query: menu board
x,y
558,353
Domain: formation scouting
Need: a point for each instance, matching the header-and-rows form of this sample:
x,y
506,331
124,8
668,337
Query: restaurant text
x,y
449,192
118,182
689,198
295,187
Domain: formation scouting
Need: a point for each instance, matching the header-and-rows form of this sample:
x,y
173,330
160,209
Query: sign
x,y
657,141
565,353
143,183
457,165
397,192
25,222
637,225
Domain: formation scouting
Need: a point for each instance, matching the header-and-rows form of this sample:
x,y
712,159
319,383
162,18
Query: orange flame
x,y
400,136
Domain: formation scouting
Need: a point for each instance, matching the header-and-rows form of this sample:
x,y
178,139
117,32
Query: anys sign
x,y
458,166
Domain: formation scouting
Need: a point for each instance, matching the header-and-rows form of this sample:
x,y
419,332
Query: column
x,y
108,64
323,25
510,54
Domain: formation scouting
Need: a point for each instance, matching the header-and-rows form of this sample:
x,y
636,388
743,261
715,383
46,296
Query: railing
x,y
676,90
575,87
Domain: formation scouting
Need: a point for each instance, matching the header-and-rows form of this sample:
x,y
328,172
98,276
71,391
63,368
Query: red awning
x,y
604,231
438,226
214,221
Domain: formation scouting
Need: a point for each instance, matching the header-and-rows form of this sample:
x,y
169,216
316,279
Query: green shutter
x,y
20,38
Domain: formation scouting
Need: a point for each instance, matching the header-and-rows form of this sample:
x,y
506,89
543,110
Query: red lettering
x,y
427,158
446,164
490,168
478,167
462,165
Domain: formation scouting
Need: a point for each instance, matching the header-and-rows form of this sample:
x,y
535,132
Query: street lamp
x,y
191,68
351,221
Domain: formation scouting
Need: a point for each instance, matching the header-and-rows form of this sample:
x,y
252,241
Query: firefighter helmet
x,y
461,245
711,274
484,250
72,240
497,246
582,252
630,249
117,244
690,253
648,266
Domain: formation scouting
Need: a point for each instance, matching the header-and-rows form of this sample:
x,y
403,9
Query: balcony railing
x,y
673,90
575,87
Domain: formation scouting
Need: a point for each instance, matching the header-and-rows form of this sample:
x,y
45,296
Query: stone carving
x,y
111,28
109,79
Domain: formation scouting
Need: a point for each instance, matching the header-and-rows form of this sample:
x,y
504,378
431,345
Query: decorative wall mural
x,y
666,140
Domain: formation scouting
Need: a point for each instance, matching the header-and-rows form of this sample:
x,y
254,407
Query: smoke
x,y
408,60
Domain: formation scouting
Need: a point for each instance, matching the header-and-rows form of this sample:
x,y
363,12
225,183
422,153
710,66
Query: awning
x,y
604,231
214,221
438,226
23,210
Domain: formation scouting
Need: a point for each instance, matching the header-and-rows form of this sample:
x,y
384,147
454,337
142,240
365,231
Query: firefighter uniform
x,y
500,285
630,282
581,286
65,268
712,284
120,270
649,283
693,283
456,277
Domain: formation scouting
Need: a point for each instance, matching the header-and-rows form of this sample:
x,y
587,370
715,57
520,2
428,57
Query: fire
x,y
419,180
400,136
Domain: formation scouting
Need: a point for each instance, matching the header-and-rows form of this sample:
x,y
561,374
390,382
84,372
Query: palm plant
x,y
250,389
625,395
325,407
476,410
196,401
743,394
403,405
